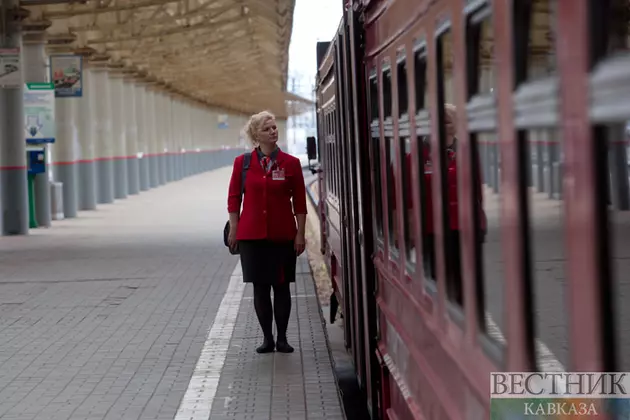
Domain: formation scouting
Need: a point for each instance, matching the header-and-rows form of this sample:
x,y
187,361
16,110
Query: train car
x,y
345,201
474,194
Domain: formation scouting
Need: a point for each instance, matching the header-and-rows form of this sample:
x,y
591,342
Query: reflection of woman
x,y
451,240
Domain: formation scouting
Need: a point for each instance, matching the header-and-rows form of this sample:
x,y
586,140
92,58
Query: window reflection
x,y
485,162
421,213
393,222
614,40
390,161
405,158
375,138
447,180
619,222
426,193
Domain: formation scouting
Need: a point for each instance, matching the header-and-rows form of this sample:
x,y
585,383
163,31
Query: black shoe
x,y
283,347
266,347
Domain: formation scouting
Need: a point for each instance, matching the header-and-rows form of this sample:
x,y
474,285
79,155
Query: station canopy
x,y
229,54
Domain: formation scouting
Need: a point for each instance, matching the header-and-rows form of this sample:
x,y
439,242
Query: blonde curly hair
x,y
451,122
255,123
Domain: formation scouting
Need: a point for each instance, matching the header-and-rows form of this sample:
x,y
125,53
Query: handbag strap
x,y
247,157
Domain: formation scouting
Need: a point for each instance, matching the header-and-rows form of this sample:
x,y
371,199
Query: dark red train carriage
x,y
501,249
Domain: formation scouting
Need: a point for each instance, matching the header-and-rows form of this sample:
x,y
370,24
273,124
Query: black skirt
x,y
268,262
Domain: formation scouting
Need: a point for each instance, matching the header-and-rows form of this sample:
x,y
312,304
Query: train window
x,y
335,147
407,198
375,136
331,169
338,162
387,92
610,111
330,123
333,154
390,158
326,151
329,158
337,172
378,185
420,78
331,166
612,192
404,136
403,99
337,153
424,182
447,181
486,166
614,200
374,114
546,242
533,33
540,173
608,28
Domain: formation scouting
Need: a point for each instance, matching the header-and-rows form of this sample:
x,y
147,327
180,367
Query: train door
x,y
362,202
356,258
347,218
322,48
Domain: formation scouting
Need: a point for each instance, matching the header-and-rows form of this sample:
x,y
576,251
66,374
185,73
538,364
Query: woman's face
x,y
451,130
268,133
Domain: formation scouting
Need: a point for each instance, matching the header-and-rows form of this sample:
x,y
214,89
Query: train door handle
x,y
360,236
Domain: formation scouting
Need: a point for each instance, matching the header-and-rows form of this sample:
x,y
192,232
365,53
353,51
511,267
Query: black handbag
x,y
247,157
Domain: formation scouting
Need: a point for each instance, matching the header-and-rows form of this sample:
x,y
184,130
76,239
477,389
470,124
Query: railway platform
x,y
137,311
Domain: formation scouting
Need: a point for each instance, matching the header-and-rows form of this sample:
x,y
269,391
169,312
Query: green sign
x,y
39,113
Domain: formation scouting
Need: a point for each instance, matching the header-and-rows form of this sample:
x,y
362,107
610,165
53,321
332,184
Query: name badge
x,y
278,175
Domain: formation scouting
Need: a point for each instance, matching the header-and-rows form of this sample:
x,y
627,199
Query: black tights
x,y
454,284
281,308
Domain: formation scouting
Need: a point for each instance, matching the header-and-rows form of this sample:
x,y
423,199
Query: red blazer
x,y
269,206
451,180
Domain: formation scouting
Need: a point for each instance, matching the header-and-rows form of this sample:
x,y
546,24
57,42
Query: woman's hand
x,y
300,243
232,238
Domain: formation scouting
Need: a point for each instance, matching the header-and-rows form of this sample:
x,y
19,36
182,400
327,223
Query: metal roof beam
x,y
151,21
168,32
80,11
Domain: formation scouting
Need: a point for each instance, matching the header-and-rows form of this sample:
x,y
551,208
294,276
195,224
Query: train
x,y
472,177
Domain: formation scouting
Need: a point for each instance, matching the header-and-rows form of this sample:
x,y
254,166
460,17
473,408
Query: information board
x,y
66,73
10,68
39,113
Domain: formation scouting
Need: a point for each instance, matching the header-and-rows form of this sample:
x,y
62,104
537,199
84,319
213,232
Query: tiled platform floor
x,y
106,316
297,386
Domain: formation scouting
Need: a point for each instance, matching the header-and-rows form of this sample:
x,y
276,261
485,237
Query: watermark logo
x,y
555,395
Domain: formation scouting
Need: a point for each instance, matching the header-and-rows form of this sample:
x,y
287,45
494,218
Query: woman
x,y
266,233
452,236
